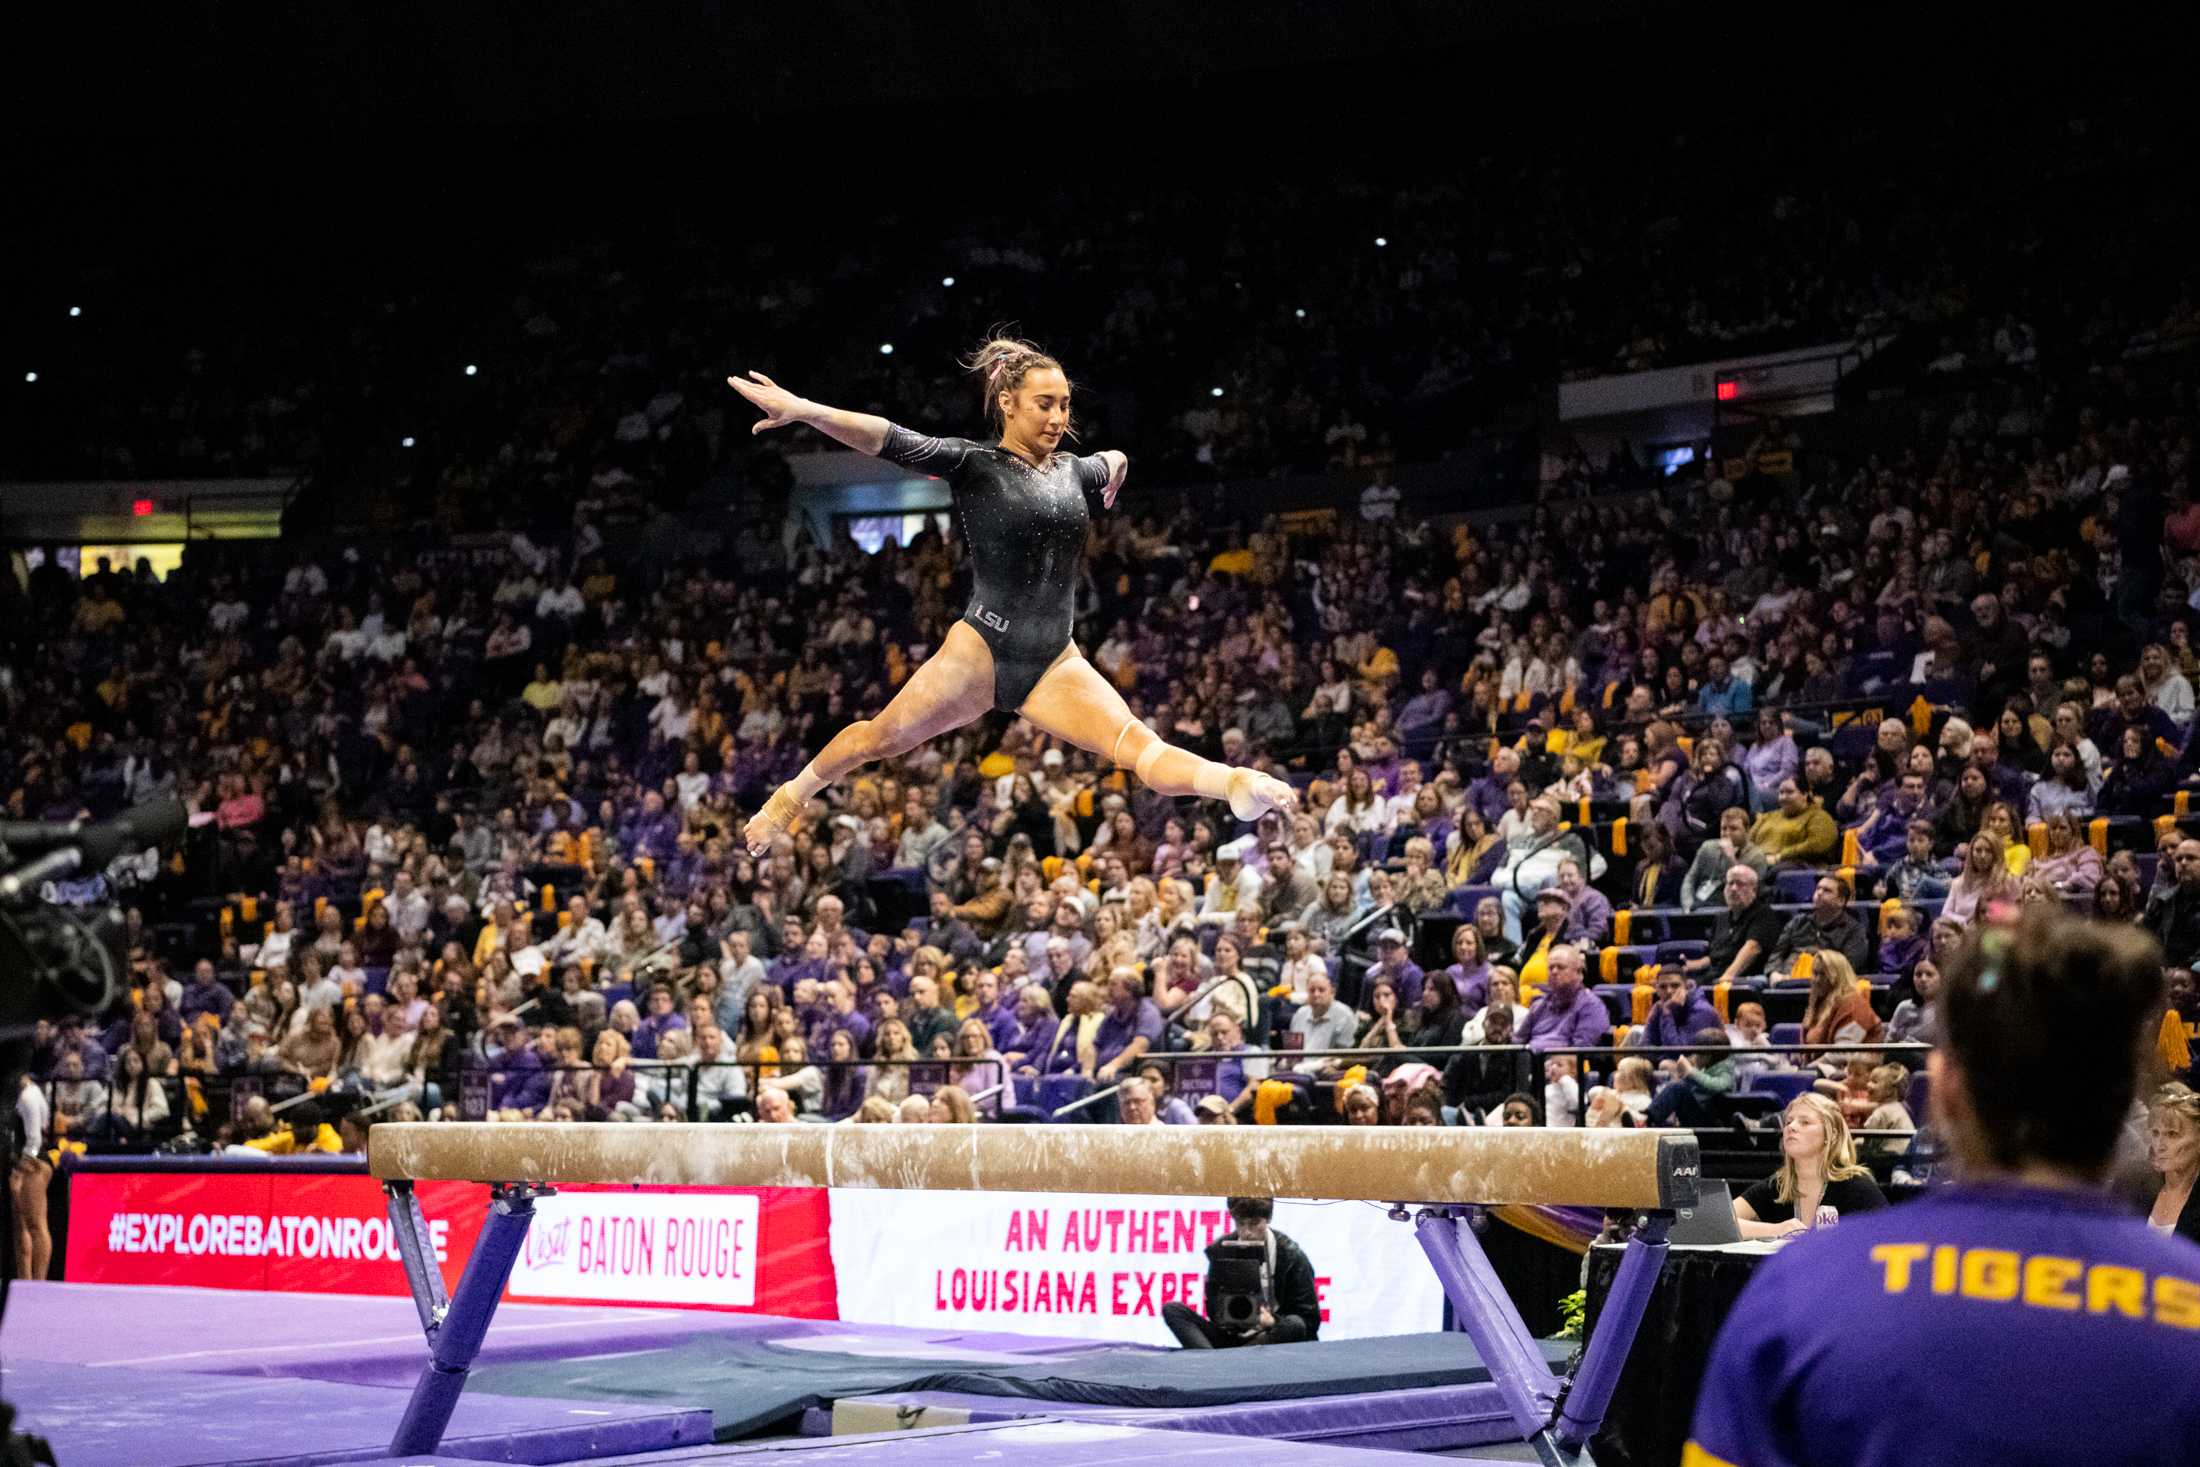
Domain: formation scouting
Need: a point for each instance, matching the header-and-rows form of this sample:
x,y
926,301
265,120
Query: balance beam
x,y
1423,1164
1445,1171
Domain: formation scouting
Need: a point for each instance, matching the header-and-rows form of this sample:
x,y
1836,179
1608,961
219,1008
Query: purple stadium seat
x,y
1787,1084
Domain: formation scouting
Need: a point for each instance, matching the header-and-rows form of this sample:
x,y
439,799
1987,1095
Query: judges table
x,y
1647,1424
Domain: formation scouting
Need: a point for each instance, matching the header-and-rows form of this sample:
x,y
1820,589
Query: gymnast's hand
x,y
1119,465
780,407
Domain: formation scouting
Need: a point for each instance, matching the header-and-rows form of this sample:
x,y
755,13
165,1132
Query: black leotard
x,y
1026,530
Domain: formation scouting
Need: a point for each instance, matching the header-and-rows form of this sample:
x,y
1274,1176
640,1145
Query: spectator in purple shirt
x,y
1491,793
842,1016
1422,717
663,1015
71,1039
1035,1026
1470,967
520,1080
1391,962
205,994
1566,1015
988,1007
1128,1029
1679,1015
651,830
1588,914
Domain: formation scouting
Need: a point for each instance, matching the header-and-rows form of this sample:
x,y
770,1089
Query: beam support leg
x,y
1482,1309
456,1339
1602,1360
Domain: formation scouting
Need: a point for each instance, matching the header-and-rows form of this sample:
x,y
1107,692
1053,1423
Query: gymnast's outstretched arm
x,y
863,432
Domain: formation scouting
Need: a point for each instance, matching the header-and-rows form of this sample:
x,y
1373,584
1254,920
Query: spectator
x,y
1706,878
1322,1025
1566,1015
1829,926
1795,832
1699,1079
1839,1008
1818,1170
1678,1015
1743,937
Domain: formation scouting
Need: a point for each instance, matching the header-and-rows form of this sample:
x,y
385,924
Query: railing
x,y
1191,1074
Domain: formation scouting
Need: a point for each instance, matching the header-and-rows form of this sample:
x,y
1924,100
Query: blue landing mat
x,y
151,1418
756,1386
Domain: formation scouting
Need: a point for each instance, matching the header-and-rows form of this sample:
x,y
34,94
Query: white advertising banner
x,y
690,1248
1050,1263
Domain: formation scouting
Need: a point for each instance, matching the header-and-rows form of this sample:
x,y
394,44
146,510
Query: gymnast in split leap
x,y
1023,507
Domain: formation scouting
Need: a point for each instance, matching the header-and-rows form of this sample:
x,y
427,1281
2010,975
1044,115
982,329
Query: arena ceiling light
x,y
471,369
30,376
886,348
75,311
1300,313
1381,241
1214,392
948,281
405,442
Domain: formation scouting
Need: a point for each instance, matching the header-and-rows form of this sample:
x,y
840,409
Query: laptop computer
x,y
1710,1221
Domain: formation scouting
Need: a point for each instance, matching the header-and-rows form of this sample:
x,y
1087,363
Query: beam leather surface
x,y
1424,1164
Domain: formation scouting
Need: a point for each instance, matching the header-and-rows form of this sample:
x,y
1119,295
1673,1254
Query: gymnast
x,y
1023,507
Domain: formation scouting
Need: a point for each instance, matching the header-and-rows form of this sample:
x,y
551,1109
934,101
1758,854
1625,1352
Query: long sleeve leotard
x,y
1026,529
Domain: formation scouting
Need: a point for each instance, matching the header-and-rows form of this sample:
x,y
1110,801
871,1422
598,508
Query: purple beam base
x,y
1557,1419
455,1335
1598,1376
1479,1303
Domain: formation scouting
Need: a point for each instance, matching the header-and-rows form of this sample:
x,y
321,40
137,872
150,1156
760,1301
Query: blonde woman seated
x,y
2071,867
1818,1171
890,1081
978,1067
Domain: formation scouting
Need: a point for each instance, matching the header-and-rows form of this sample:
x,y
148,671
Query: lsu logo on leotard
x,y
979,613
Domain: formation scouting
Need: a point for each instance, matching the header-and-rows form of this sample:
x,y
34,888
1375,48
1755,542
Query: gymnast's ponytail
x,y
1000,364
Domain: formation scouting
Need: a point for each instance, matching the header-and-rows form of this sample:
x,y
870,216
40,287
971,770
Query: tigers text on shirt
x,y
1998,1324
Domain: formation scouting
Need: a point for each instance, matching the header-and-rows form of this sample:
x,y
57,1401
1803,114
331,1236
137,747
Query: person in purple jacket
x,y
2019,1316
1679,1015
1566,1015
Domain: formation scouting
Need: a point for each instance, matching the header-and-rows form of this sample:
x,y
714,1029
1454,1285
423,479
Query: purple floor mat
x,y
1039,1443
161,1418
367,1340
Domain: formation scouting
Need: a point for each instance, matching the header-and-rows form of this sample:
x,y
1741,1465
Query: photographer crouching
x,y
1260,1287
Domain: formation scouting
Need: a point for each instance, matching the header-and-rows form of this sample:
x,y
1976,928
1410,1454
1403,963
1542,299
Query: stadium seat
x,y
1786,1084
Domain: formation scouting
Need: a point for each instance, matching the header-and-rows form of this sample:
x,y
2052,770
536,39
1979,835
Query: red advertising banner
x,y
747,1250
227,1230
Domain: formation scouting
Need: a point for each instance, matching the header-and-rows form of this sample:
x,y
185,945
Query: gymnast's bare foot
x,y
774,820
1253,794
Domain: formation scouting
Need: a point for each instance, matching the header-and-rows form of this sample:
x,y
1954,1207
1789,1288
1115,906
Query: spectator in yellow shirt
x,y
1796,831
